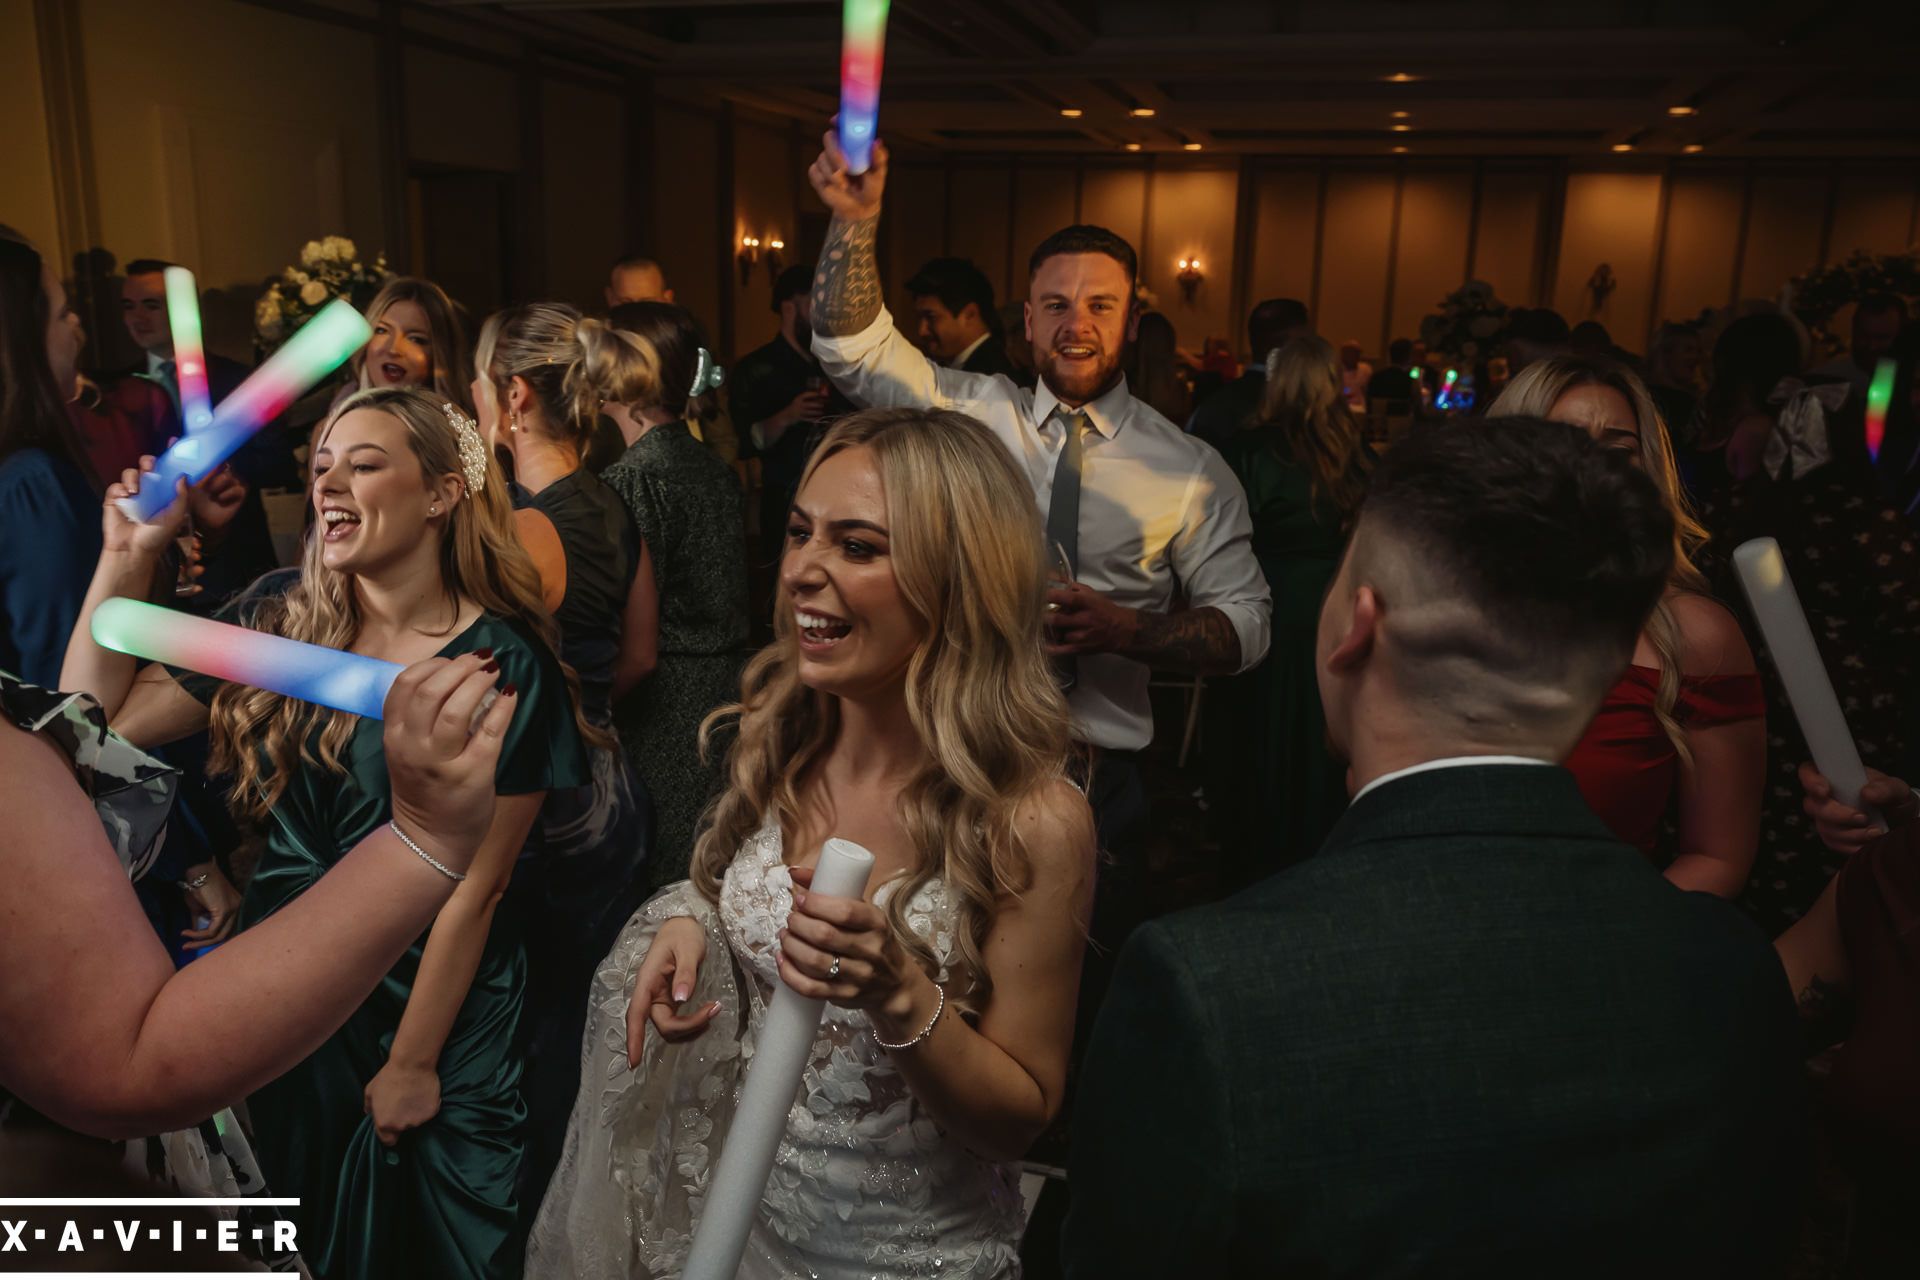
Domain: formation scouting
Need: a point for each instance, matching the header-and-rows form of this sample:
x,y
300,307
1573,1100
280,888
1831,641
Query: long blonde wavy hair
x,y
1304,417
452,378
1533,394
966,551
262,738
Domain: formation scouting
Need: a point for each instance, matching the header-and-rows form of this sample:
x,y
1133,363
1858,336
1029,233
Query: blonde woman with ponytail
x,y
906,704
1683,734
543,374
415,1100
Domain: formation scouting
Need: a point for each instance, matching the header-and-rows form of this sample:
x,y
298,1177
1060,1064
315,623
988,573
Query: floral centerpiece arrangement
x,y
329,268
1470,327
1819,295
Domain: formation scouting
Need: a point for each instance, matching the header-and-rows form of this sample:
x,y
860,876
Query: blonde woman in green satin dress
x,y
400,1134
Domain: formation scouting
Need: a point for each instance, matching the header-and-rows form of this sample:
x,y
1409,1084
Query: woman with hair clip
x,y
1304,463
905,704
688,508
1683,732
544,372
415,1101
418,341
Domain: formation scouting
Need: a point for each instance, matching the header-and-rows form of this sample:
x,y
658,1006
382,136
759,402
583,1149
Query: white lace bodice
x,y
864,1183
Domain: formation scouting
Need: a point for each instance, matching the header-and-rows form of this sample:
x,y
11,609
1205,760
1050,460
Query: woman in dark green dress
x,y
1304,465
400,1134
687,506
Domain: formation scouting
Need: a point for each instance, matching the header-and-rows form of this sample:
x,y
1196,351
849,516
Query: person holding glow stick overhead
x,y
416,1099
905,705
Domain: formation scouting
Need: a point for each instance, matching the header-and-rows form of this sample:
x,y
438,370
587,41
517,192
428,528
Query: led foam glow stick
x,y
189,357
1776,607
760,1119
310,672
320,346
863,44
1879,398
1446,390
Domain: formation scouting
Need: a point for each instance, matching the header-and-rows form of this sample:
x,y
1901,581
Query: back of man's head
x,y
1273,323
146,267
1400,351
637,279
1514,561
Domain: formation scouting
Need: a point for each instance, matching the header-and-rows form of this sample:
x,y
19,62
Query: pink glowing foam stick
x,y
189,355
320,346
310,672
863,44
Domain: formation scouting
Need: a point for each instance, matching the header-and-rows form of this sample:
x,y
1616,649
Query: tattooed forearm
x,y
1198,641
846,287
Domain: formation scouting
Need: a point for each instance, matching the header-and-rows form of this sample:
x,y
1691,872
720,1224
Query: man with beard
x,y
1141,512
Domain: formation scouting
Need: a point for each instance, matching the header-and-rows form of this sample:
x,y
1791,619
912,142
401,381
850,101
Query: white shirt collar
x,y
967,355
1105,413
1449,762
156,362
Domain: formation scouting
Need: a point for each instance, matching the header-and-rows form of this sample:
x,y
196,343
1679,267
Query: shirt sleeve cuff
x,y
1254,628
852,348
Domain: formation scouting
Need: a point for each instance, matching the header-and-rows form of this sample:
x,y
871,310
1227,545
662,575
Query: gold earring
x,y
514,424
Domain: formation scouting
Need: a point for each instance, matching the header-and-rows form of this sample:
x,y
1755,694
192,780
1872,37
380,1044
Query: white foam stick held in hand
x,y
1763,573
779,1056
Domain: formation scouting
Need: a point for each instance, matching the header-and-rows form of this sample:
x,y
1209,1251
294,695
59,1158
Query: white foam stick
x,y
1763,573
760,1119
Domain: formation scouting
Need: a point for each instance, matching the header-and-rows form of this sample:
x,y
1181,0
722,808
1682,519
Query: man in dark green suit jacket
x,y
1476,1035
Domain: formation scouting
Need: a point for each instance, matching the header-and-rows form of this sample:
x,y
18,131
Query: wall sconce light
x,y
1190,277
748,257
776,257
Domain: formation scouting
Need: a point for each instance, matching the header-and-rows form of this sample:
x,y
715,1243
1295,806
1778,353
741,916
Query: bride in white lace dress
x,y
906,704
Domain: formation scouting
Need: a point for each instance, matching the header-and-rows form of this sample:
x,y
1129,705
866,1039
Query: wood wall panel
x,y
1703,215
1430,258
1610,218
1874,211
1193,216
1356,244
1506,243
585,231
1286,202
683,210
1115,199
1783,231
978,204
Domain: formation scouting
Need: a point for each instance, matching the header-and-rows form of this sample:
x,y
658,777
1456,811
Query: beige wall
x,y
763,207
1673,238
30,205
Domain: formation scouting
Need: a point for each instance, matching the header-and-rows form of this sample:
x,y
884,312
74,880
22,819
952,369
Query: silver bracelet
x,y
925,1031
197,882
429,859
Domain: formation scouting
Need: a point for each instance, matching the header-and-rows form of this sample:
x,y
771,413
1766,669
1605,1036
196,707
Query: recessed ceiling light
x,y
1141,113
1399,115
1683,109
1190,146
1399,151
1403,128
1133,146
1693,148
1401,77
1623,146
1072,113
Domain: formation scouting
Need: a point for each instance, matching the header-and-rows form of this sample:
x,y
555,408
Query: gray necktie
x,y
1063,506
171,382
1063,521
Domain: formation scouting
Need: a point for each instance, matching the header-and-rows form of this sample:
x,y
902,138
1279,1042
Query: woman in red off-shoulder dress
x,y
1683,732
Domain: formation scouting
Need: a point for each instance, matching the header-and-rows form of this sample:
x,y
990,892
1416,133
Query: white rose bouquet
x,y
329,268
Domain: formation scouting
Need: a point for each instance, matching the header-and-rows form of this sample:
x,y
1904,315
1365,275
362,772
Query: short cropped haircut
x,y
1542,326
146,267
1526,558
792,283
1273,321
1082,238
956,282
1400,351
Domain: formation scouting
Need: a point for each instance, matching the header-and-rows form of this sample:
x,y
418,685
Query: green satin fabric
x,y
1294,788
441,1203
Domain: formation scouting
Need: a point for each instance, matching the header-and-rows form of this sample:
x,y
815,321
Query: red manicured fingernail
x,y
510,691
483,653
490,668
